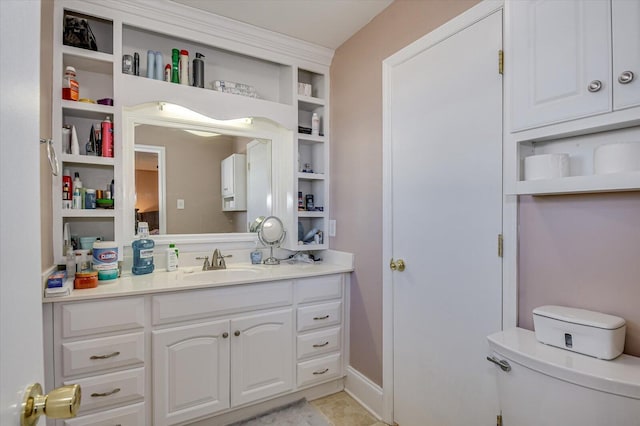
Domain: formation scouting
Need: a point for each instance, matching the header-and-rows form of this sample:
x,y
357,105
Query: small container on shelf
x,y
85,279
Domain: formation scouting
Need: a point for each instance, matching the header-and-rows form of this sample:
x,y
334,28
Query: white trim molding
x,y
364,391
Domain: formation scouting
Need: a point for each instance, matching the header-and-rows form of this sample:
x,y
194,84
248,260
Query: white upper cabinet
x,y
626,53
561,60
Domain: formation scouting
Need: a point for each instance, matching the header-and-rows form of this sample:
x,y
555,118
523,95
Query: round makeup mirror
x,y
271,233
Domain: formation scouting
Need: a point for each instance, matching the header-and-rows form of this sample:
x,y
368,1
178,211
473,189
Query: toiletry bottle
x,y
172,258
77,198
70,86
315,124
159,71
91,144
167,73
143,251
70,261
67,189
256,256
75,145
175,60
107,138
77,183
198,70
66,139
136,63
184,67
151,63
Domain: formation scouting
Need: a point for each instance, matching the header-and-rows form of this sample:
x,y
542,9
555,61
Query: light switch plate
x,y
332,228
180,205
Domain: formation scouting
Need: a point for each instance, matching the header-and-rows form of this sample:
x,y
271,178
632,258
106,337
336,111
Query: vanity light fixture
x,y
201,133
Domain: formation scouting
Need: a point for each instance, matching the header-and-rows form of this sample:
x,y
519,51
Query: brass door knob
x,y
60,403
397,265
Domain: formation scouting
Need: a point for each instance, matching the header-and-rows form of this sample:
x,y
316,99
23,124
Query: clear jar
x,y
70,86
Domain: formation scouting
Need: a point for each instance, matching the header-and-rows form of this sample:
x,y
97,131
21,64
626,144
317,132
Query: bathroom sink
x,y
220,274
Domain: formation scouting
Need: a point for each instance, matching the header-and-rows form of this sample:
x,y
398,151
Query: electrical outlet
x,y
332,228
180,205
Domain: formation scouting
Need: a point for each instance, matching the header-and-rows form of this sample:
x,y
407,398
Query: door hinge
x,y
500,245
500,61
499,420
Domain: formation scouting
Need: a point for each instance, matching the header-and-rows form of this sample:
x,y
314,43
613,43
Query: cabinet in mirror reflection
x,y
178,180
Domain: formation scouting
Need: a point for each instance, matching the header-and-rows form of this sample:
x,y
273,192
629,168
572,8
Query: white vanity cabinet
x,y
100,345
183,356
561,59
320,329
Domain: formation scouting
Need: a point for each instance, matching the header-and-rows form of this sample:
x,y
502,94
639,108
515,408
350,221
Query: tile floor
x,y
342,410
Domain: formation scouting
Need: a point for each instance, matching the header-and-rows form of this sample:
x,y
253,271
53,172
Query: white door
x,y
444,127
258,179
626,53
558,48
21,349
190,371
261,356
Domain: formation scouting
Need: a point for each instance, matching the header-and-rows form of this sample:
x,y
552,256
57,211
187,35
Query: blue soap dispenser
x,y
143,251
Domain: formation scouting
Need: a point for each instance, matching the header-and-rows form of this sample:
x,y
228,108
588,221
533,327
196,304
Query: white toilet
x,y
541,385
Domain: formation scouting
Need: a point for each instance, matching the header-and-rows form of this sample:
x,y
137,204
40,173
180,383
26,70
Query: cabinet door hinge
x,y
500,61
500,245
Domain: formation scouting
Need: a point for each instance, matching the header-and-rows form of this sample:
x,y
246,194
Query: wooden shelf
x,y
310,176
87,159
86,109
305,139
88,60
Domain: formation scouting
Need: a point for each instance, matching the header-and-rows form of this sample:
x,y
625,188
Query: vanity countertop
x,y
193,278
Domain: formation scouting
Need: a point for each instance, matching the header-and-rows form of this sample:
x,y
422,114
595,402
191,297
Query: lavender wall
x,y
356,158
582,251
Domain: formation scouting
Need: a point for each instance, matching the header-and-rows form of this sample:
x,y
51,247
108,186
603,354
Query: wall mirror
x,y
193,178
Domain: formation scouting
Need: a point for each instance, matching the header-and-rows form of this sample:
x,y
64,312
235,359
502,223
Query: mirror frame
x,y
171,115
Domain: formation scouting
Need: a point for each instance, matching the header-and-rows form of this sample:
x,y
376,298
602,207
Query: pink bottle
x,y
107,138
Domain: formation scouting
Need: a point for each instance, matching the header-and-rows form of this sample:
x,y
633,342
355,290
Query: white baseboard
x,y
363,390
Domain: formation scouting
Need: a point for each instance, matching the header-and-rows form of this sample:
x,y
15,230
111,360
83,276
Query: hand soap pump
x,y
198,70
172,257
143,251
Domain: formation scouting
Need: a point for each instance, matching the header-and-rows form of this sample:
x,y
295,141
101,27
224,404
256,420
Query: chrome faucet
x,y
217,261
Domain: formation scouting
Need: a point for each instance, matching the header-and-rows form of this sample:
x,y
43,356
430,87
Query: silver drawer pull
x,y
320,345
321,371
100,395
111,355
320,318
503,364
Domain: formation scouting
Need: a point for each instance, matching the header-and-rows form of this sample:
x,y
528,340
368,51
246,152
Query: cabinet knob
x,y
225,335
594,86
626,77
237,333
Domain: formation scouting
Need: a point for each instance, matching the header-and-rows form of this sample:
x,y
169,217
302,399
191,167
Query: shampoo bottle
x,y
172,257
143,251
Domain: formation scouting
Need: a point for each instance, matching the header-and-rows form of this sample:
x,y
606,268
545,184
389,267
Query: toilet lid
x,y
620,376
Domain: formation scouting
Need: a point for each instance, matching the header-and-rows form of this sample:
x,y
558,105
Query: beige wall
x,y
356,158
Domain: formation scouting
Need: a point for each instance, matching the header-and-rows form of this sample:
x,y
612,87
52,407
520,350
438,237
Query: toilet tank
x,y
548,386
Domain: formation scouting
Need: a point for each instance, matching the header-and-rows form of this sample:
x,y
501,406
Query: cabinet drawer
x,y
81,319
110,389
317,316
131,415
218,301
319,288
319,342
318,370
100,354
